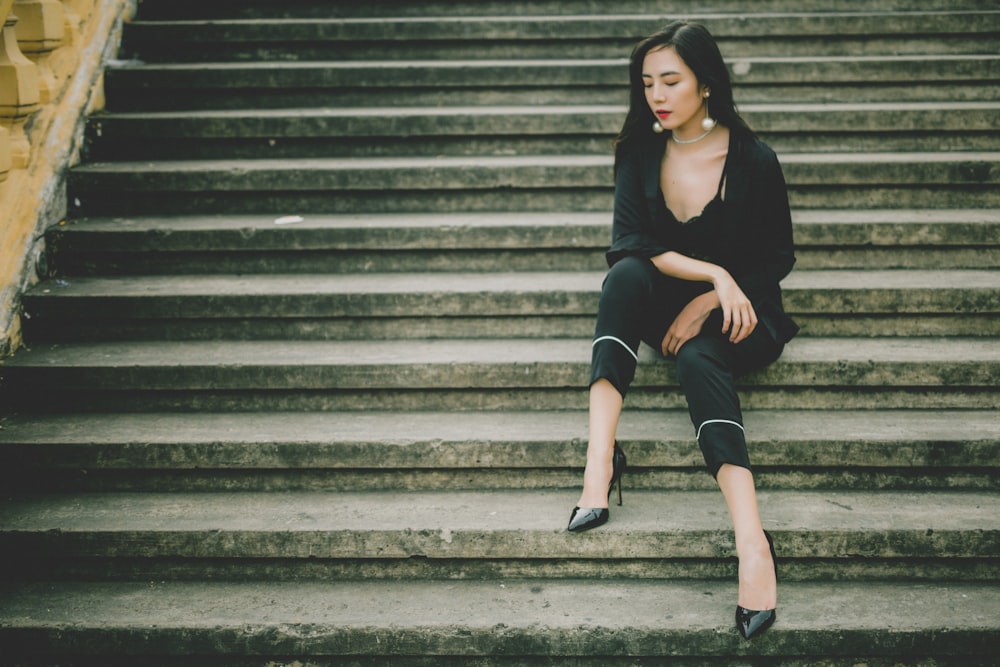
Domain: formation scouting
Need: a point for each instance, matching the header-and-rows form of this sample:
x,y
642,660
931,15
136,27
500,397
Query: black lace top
x,y
748,232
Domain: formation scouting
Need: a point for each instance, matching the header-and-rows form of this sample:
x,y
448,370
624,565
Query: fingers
x,y
743,325
671,343
739,322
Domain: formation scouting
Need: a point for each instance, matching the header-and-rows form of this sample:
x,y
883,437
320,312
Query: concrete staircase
x,y
243,438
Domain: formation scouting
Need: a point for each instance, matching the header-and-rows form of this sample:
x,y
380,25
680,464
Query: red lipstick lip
x,y
661,113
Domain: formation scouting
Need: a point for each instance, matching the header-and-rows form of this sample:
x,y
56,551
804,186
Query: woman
x,y
701,238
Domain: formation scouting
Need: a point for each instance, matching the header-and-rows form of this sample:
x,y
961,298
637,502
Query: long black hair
x,y
697,48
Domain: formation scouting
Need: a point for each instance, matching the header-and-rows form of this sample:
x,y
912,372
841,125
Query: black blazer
x,y
752,239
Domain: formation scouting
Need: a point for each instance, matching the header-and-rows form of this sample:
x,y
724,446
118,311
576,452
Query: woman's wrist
x,y
720,276
708,302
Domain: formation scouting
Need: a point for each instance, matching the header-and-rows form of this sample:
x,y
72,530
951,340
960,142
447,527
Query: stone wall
x,y
52,54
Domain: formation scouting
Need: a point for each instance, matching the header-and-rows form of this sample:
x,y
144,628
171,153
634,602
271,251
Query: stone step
x,y
265,9
523,36
132,86
524,183
494,242
362,451
883,535
339,307
449,622
455,131
483,374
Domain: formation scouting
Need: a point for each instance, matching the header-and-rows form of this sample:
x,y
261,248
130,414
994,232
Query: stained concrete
x,y
507,617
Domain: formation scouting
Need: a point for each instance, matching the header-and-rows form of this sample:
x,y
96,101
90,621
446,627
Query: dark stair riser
x,y
408,329
393,526
264,9
912,477
503,37
165,87
70,263
257,148
329,315
71,564
296,300
471,386
569,184
412,243
437,234
280,203
506,131
539,450
835,570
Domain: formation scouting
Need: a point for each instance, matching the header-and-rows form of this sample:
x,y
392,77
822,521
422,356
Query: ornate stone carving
x,y
19,94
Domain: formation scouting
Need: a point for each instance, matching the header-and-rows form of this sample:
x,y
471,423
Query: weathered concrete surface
x,y
345,440
534,171
389,9
518,122
495,243
525,304
512,231
490,183
551,29
440,294
518,374
492,525
443,516
496,618
481,363
541,72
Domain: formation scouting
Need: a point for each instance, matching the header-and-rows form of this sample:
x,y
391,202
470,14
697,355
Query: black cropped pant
x,y
638,303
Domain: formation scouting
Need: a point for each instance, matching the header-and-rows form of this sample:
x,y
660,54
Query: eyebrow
x,y
670,73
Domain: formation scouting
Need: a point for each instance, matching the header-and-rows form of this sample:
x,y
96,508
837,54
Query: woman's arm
x,y
772,245
632,227
738,316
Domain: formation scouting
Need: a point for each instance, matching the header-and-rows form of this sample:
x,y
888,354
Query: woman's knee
x,y
628,276
699,355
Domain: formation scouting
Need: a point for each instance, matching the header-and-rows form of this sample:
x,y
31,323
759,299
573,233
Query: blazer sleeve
x,y
633,231
772,246
768,253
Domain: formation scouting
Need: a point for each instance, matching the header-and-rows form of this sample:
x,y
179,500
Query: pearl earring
x,y
707,123
657,127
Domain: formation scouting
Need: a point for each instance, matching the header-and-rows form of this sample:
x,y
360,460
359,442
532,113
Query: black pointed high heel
x,y
585,518
749,622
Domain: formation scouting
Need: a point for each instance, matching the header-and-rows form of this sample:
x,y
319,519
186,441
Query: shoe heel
x,y
583,518
617,469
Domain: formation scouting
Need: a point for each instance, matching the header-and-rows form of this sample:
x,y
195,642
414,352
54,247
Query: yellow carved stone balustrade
x,y
52,55
40,32
19,92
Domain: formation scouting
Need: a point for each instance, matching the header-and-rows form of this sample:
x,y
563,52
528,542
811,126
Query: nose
x,y
659,92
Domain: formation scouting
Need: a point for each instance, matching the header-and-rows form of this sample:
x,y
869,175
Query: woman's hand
x,y
738,316
688,323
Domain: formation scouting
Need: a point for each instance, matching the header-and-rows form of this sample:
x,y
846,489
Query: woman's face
x,y
672,92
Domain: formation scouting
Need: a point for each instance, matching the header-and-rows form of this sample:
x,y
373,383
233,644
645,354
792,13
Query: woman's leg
x,y
707,367
630,287
758,585
605,408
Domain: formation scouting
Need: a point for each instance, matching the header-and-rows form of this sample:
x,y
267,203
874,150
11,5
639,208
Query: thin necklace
x,y
691,141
